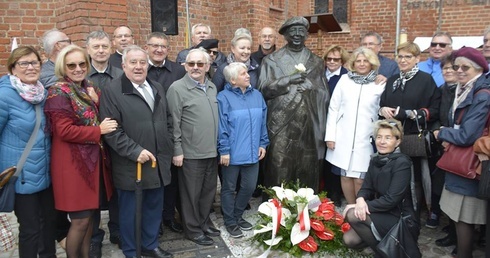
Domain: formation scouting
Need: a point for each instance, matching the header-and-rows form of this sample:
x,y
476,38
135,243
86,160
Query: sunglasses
x,y
464,68
82,65
333,59
442,45
192,64
213,52
395,125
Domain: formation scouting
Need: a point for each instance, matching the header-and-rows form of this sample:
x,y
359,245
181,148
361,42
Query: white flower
x,y
268,208
300,68
282,193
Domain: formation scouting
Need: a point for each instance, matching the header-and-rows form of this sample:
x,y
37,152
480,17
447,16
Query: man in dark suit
x,y
123,37
144,135
165,72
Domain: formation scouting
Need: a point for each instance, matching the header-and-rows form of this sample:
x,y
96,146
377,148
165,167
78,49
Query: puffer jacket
x,y
242,124
17,121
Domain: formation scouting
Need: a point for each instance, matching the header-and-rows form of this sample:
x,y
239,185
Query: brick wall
x,y
29,19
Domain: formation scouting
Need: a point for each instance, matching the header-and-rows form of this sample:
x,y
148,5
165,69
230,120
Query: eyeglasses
x,y
24,64
464,68
82,65
407,57
213,52
448,69
442,45
267,36
370,44
157,46
65,40
333,59
395,125
193,64
123,36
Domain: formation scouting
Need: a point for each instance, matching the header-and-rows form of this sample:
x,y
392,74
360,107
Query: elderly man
x,y
123,37
388,67
267,44
440,48
217,58
53,42
486,46
194,110
297,99
199,33
98,44
165,72
143,136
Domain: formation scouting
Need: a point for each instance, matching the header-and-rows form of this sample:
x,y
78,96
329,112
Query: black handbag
x,y
9,176
419,144
484,184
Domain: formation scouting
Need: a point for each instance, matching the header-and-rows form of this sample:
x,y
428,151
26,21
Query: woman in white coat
x,y
353,110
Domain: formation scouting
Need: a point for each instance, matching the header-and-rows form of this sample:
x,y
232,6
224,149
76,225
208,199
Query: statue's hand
x,y
297,78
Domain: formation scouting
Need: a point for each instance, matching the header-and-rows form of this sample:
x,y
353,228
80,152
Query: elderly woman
x,y
385,193
335,57
411,95
353,108
76,164
472,104
20,92
241,46
242,139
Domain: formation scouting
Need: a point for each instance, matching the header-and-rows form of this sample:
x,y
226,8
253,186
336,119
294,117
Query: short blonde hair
x,y
344,55
410,47
59,66
368,53
394,125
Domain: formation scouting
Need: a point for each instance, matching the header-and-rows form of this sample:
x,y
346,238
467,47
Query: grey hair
x,y
237,37
374,34
50,38
465,59
158,35
240,31
443,34
231,71
193,30
486,31
200,50
97,34
132,48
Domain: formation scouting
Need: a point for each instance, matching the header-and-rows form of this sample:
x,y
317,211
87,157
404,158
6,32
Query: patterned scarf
x,y
404,77
70,100
231,58
32,93
362,79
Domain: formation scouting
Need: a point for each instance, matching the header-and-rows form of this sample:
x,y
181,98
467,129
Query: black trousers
x,y
37,224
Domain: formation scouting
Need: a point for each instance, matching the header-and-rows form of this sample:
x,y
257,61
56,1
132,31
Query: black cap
x,y
297,20
208,44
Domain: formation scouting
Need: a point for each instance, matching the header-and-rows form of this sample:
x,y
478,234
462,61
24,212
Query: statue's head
x,y
295,31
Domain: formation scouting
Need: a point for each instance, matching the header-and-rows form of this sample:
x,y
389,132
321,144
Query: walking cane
x,y
139,201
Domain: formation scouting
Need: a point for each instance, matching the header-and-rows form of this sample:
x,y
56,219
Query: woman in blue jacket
x,y
242,139
34,204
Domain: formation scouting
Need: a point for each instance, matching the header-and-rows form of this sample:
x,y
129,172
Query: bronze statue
x,y
294,85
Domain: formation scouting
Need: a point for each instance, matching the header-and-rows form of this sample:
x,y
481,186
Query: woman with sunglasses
x,y
472,104
241,46
78,168
412,95
20,93
351,113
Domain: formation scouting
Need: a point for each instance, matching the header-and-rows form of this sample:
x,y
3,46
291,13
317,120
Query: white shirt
x,y
330,74
147,87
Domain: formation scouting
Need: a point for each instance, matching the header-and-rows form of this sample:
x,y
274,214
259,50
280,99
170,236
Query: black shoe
x,y
156,253
257,193
244,225
445,229
455,251
202,240
248,207
115,239
173,225
212,232
95,250
445,241
234,231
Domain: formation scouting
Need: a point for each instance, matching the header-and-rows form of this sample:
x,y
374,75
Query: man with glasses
x,y
53,42
194,110
123,37
211,46
143,136
98,45
267,44
388,67
440,48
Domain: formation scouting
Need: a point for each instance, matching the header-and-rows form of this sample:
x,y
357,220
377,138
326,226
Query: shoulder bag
x,y
419,144
9,176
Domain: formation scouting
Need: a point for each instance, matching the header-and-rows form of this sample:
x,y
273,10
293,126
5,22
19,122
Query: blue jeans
x,y
231,204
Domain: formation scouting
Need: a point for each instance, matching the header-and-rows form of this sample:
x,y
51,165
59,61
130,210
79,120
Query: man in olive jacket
x,y
144,135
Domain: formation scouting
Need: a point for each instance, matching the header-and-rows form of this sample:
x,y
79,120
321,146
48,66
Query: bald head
x,y
267,39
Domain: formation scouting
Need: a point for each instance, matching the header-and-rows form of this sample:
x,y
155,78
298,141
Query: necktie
x,y
147,96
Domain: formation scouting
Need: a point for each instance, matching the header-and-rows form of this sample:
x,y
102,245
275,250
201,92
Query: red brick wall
x,y
28,20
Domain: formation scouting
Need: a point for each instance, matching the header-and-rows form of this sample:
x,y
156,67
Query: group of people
x,y
249,116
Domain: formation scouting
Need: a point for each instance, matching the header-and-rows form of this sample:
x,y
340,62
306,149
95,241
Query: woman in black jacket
x,y
385,193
